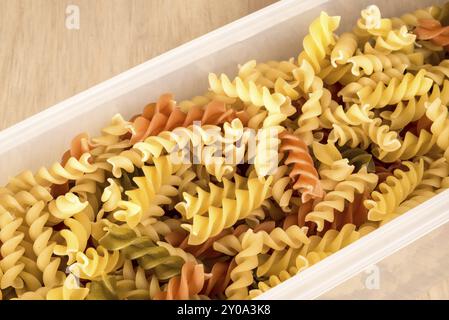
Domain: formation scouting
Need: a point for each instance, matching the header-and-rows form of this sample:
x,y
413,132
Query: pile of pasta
x,y
361,125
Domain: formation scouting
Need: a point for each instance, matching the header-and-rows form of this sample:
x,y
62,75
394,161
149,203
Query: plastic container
x,y
417,271
275,32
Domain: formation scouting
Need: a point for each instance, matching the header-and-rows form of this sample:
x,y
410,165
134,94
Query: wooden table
x,y
42,62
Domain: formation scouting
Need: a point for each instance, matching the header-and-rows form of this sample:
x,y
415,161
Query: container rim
x,y
154,68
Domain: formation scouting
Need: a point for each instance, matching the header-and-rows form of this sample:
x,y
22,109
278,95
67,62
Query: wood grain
x,y
42,62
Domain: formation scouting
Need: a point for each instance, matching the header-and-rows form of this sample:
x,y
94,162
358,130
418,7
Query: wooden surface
x,y
42,62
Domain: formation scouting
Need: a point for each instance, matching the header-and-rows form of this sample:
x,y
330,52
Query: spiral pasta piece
x,y
199,204
354,213
418,197
274,75
317,97
412,19
308,120
153,147
431,29
317,43
333,240
177,252
185,286
248,92
394,190
354,115
96,262
19,270
368,64
204,99
234,206
344,49
387,75
205,249
405,113
88,188
281,191
141,248
11,251
33,186
442,92
371,23
134,283
130,284
333,168
37,218
278,260
307,78
166,116
338,75
182,145
359,158
273,280
58,174
66,206
431,184
32,196
381,135
267,73
154,188
276,239
336,199
379,95
434,174
411,146
246,261
306,177
75,237
235,149
396,40
279,239
438,73
104,288
220,277
23,181
79,145
352,136
439,114
111,137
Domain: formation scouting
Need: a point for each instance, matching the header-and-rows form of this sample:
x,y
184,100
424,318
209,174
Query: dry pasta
x,y
227,194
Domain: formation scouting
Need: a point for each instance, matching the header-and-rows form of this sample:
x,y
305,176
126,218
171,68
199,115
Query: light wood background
x,y
42,62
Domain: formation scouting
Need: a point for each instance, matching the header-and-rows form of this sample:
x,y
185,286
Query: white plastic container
x,y
275,32
417,271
